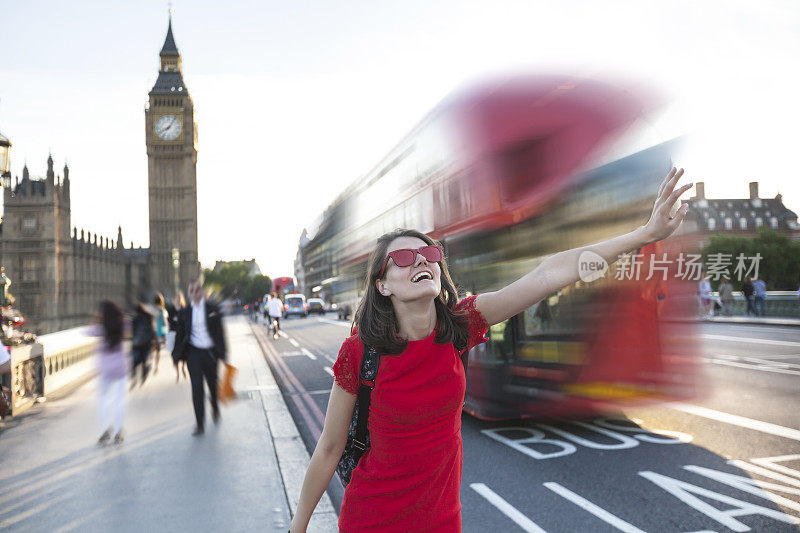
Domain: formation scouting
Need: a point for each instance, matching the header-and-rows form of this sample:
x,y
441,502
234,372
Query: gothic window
x,y
759,222
728,223
743,223
773,222
711,223
29,268
29,224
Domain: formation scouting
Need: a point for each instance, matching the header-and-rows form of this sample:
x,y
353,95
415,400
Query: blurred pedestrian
x,y
704,292
5,360
747,291
112,365
161,326
726,296
173,311
5,368
759,295
200,341
141,343
275,310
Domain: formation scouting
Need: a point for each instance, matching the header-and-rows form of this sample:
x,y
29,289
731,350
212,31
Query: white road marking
x,y
751,366
335,322
329,370
291,354
753,340
282,334
744,465
309,354
686,493
769,462
294,343
599,512
736,420
506,508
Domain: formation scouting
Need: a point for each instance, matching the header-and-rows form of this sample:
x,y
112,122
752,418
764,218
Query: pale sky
x,y
296,100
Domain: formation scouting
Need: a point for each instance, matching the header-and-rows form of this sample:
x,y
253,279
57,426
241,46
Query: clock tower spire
x,y
171,139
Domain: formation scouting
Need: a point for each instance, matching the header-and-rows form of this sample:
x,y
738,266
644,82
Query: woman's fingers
x,y
672,198
671,183
665,181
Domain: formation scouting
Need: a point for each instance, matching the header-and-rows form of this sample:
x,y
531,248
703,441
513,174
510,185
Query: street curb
x,y
293,459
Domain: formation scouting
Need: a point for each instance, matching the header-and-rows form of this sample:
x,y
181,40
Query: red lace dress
x,y
409,480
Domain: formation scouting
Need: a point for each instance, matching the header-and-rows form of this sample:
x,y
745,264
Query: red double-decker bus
x,y
283,285
506,175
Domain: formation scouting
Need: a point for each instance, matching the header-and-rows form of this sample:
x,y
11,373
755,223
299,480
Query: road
x,y
728,461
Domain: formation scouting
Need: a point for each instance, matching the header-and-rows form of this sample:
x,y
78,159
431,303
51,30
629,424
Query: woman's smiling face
x,y
410,283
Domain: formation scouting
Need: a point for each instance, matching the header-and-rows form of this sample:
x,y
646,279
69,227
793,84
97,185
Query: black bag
x,y
358,435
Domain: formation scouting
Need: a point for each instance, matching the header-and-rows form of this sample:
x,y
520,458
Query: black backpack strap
x,y
367,374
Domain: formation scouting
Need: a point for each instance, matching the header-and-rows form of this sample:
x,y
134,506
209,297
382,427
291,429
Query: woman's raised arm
x,y
326,455
561,269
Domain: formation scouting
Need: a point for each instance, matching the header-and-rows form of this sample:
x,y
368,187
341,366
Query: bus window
x,y
498,348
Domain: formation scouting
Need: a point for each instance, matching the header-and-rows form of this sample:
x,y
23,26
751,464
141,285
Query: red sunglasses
x,y
406,256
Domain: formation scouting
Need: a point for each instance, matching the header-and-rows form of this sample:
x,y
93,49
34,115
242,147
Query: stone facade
x,y
59,274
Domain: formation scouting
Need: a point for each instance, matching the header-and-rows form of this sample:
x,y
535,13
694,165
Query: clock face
x,y
168,127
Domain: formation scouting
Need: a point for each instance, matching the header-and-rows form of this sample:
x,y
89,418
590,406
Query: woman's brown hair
x,y
375,317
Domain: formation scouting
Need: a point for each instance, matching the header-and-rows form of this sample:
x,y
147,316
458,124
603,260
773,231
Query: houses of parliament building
x,y
59,273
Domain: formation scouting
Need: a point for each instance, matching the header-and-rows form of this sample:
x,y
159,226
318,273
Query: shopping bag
x,y
225,392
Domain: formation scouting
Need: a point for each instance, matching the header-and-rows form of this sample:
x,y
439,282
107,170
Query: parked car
x,y
295,304
316,305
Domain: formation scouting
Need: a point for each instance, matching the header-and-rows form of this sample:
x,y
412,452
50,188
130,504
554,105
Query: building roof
x,y
169,48
169,83
737,214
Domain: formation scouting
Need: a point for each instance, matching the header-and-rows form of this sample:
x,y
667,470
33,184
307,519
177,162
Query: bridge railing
x,y
58,360
784,304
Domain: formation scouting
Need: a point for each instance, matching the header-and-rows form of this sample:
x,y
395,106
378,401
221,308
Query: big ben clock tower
x,y
171,136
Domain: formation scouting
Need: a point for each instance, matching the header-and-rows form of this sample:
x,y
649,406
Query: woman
x,y
409,479
141,342
162,319
112,365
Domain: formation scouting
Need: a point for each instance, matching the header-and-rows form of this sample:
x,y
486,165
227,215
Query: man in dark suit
x,y
200,341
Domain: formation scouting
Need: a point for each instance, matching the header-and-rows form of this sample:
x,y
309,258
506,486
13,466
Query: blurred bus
x,y
506,175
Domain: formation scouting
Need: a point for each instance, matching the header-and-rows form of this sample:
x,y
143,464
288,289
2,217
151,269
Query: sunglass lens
x,y
431,253
404,258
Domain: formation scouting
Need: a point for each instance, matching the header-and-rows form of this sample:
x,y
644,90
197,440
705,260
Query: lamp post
x,y
5,161
176,268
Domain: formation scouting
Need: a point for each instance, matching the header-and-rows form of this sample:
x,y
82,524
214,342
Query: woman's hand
x,y
664,221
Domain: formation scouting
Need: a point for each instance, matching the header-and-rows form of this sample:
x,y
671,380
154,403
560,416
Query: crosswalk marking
x,y
309,354
329,370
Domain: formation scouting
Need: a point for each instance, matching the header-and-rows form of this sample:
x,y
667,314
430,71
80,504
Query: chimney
x,y
699,190
753,190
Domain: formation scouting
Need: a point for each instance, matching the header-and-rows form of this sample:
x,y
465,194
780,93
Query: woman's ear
x,y
381,286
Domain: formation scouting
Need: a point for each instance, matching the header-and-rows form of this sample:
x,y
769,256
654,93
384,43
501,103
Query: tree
x,y
780,257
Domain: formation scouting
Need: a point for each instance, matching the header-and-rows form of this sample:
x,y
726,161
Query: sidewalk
x,y
243,475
